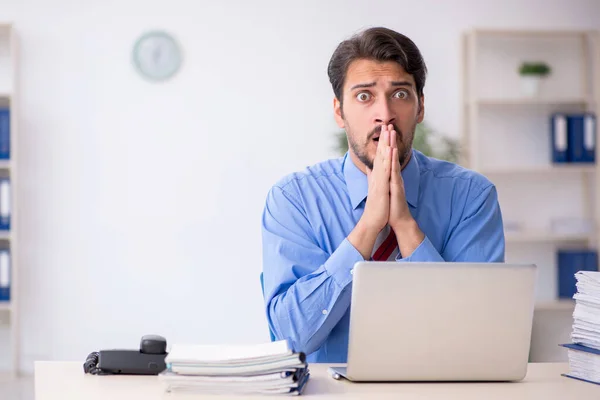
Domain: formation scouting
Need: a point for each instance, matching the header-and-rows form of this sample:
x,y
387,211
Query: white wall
x,y
147,198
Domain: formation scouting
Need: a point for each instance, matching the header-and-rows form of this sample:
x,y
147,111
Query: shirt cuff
x,y
425,252
339,266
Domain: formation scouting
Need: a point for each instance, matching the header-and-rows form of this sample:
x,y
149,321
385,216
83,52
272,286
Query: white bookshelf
x,y
506,137
9,316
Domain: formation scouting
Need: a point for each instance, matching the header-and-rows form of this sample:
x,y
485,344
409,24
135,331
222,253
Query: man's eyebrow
x,y
368,85
402,83
363,85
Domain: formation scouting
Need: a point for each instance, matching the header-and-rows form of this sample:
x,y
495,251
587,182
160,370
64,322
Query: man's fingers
x,y
393,143
388,162
381,143
395,166
387,134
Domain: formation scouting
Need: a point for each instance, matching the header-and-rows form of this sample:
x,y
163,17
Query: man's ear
x,y
338,113
421,111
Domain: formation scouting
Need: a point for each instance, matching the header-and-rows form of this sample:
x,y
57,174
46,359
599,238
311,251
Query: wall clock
x,y
157,56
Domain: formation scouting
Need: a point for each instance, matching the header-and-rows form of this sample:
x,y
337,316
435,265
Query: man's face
x,y
377,93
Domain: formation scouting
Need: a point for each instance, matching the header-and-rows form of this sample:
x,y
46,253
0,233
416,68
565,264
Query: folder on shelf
x,y
559,138
4,275
5,204
4,133
569,263
582,138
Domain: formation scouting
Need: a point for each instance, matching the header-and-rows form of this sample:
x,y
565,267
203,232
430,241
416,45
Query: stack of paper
x,y
586,317
584,352
269,368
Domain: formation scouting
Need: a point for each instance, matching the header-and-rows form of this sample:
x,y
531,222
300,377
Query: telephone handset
x,y
148,360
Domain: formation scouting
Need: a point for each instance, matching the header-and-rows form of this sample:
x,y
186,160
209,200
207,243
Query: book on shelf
x,y
4,275
4,134
584,351
5,206
264,368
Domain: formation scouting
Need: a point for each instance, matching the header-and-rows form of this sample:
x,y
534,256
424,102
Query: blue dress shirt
x,y
307,257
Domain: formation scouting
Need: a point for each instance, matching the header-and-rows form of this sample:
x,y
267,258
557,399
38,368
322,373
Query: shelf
x,y
542,237
5,164
4,99
4,235
529,32
5,306
531,101
543,169
555,305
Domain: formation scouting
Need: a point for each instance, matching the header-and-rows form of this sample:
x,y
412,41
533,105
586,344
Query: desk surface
x,y
66,381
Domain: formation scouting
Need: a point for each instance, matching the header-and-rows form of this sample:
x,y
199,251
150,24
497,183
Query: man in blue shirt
x,y
383,200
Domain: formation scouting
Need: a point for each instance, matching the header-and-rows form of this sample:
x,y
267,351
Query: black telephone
x,y
148,360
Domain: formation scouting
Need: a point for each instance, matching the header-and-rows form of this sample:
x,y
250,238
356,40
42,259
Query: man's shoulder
x,y
451,172
325,171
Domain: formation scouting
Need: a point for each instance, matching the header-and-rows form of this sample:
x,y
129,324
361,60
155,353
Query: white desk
x,y
66,381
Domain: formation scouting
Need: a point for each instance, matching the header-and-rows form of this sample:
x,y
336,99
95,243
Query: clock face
x,y
157,56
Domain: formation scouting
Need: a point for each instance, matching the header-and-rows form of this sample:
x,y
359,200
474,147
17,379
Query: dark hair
x,y
380,44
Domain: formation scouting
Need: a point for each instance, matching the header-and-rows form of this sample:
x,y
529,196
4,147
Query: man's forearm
x,y
363,239
409,236
309,309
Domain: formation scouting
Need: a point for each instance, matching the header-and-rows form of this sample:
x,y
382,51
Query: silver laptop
x,y
439,322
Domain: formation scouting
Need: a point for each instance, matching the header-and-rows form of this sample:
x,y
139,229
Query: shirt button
x,y
324,312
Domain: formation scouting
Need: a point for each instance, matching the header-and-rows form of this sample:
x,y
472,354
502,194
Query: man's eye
x,y
363,96
401,94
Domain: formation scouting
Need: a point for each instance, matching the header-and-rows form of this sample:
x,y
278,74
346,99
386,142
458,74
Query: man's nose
x,y
384,113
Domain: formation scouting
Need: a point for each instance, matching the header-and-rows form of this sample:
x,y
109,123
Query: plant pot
x,y
530,85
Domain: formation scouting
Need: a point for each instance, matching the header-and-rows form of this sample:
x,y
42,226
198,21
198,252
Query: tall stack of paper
x,y
584,352
268,368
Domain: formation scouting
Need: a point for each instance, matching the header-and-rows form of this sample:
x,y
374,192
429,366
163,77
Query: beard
x,y
360,149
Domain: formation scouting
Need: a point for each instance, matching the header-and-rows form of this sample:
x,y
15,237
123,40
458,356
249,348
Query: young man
x,y
381,201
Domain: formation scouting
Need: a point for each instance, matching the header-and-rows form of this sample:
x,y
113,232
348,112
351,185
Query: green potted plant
x,y
426,141
532,74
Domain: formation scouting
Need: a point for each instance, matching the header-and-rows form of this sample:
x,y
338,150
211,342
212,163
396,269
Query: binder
x,y
559,138
584,349
581,138
569,263
590,135
5,205
5,275
4,134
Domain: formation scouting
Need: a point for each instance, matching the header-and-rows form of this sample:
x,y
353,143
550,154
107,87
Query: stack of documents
x,y
584,352
268,368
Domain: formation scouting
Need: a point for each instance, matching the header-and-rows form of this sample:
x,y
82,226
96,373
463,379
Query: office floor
x,y
16,389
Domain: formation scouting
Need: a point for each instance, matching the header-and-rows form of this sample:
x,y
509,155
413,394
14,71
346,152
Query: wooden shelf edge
x,y
555,305
531,32
528,237
529,101
549,169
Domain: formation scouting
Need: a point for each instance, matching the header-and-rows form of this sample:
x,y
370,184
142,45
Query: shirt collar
x,y
358,187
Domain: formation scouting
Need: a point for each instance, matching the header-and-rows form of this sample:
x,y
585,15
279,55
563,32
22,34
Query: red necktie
x,y
387,246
